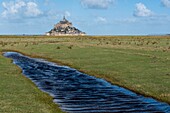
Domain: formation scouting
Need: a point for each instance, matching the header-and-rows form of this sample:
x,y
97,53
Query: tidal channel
x,y
77,92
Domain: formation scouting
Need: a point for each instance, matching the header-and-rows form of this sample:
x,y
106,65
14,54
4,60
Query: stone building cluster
x,y
64,28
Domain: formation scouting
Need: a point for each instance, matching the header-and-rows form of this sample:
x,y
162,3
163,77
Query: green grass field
x,y
139,63
20,95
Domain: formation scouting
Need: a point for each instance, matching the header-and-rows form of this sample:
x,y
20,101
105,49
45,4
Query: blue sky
x,y
95,17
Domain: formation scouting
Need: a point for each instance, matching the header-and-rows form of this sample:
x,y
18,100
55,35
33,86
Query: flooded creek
x,y
76,92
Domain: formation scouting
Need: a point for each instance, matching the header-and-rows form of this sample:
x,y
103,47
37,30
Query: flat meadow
x,y
138,63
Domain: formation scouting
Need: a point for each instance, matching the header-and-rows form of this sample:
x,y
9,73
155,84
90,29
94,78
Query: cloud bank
x,y
19,9
166,3
96,4
142,11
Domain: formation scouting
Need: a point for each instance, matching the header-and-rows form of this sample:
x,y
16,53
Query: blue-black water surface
x,y
77,92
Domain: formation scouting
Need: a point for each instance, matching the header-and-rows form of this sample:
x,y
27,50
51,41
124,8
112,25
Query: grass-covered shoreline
x,y
19,95
139,63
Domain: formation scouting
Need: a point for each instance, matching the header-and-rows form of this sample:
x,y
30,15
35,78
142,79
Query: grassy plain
x,y
139,63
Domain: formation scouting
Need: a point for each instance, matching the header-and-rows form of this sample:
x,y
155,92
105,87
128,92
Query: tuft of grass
x,y
70,47
58,47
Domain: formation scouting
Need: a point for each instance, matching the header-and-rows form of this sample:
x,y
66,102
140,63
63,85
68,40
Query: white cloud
x,y
19,8
96,4
101,20
12,8
166,3
32,10
67,14
142,11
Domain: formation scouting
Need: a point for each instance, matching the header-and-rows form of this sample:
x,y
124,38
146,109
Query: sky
x,y
95,17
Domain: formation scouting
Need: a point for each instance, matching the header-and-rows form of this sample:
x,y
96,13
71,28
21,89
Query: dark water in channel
x,y
77,92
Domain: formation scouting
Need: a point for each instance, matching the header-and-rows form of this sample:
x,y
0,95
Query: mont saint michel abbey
x,y
64,27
